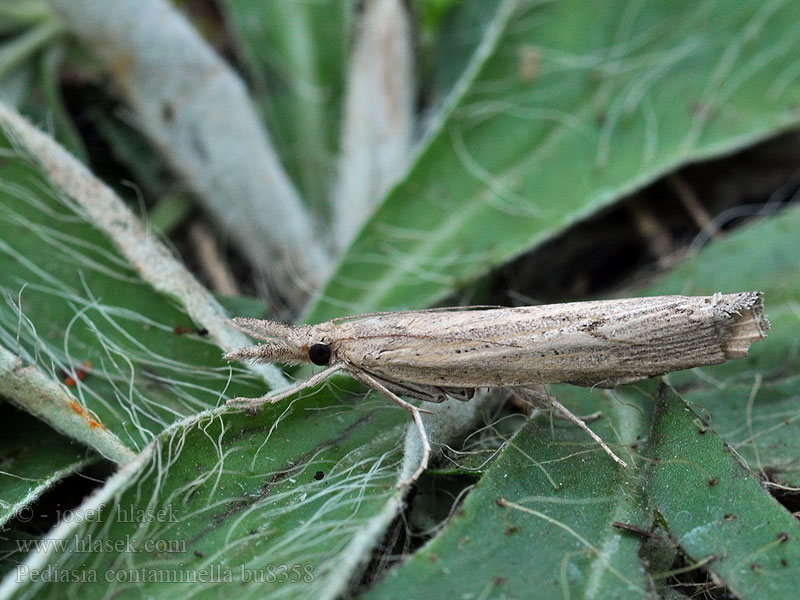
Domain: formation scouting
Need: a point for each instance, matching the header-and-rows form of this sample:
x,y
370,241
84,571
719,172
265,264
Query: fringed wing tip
x,y
748,323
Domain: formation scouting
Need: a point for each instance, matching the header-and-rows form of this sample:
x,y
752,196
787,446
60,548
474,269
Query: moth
x,y
432,354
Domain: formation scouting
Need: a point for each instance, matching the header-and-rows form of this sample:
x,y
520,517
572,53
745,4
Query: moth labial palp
x,y
432,354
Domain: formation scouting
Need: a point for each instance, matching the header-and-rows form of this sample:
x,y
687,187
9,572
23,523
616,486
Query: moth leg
x,y
427,393
535,397
253,403
415,412
540,399
461,394
590,417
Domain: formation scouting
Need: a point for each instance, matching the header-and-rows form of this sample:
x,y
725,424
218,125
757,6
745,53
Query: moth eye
x,y
320,354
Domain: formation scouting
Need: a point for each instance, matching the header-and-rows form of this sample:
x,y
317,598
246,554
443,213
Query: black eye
x,y
319,354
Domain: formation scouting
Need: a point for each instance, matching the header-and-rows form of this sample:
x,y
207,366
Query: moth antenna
x,y
261,329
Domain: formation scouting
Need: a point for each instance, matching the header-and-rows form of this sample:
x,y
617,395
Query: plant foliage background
x,y
333,157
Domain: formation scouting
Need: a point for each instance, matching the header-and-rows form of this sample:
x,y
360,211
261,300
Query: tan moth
x,y
432,354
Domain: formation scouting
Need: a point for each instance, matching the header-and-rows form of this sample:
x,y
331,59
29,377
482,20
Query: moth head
x,y
283,343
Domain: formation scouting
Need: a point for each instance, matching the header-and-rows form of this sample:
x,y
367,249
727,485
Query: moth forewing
x,y
584,343
428,353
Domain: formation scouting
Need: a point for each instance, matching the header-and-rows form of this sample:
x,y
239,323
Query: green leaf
x,y
35,45
16,50
297,56
750,403
32,463
255,495
539,523
760,421
716,509
54,108
623,101
766,433
622,94
284,504
70,302
464,26
431,12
